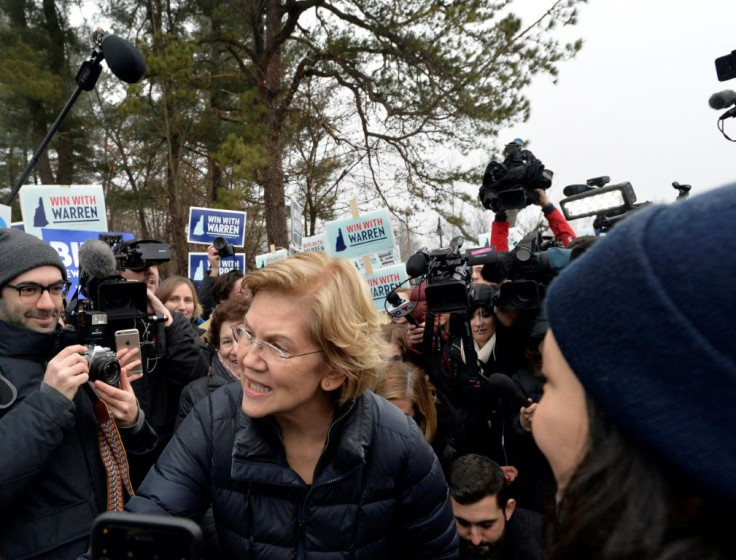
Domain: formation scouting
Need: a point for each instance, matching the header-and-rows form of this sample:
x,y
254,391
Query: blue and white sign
x,y
67,243
355,237
270,258
198,265
70,207
5,213
383,281
314,243
205,224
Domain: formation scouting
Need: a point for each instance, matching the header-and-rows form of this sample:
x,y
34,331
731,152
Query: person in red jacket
x,y
557,222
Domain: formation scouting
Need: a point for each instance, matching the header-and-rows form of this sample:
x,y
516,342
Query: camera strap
x,y
113,456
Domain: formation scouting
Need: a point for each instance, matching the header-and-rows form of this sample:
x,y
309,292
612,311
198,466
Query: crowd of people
x,y
289,418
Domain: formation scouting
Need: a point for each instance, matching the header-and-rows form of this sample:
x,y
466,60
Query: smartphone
x,y
130,338
120,535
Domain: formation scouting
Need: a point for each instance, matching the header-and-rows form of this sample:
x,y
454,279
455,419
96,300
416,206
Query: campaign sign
x,y
205,224
315,243
5,212
355,237
270,258
297,225
198,265
77,207
67,243
383,281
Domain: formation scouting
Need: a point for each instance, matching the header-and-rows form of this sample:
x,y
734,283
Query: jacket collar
x,y
259,456
26,344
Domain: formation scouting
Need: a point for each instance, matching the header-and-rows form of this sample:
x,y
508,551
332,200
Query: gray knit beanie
x,y
647,321
21,252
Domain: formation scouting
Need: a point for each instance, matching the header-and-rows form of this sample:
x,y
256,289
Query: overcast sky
x,y
633,104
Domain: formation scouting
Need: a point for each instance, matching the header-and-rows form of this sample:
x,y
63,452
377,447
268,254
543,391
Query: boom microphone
x,y
722,99
123,59
97,259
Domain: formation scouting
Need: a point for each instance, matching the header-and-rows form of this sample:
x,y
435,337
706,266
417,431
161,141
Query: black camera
x,y
524,271
103,365
224,249
512,184
139,255
111,302
448,273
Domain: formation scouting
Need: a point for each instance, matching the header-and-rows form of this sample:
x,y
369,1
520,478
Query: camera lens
x,y
224,248
105,368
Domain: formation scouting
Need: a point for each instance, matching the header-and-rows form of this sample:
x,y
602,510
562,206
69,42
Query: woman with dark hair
x,y
638,361
224,365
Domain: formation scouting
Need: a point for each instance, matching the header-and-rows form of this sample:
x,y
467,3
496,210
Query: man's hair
x,y
473,477
167,287
231,310
341,317
223,284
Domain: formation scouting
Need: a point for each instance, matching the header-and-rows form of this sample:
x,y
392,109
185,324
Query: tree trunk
x,y
273,176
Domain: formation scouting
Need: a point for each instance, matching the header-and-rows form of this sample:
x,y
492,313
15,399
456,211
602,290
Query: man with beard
x,y
62,463
489,524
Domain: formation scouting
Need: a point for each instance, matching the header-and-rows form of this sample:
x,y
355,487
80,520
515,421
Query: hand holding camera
x,y
68,370
121,401
213,259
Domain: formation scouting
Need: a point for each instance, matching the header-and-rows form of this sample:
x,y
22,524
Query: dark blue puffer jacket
x,y
378,490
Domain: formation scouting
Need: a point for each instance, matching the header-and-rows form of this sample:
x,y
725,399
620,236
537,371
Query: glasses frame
x,y
65,285
249,342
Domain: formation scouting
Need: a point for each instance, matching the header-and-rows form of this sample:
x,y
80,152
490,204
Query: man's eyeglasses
x,y
270,353
31,292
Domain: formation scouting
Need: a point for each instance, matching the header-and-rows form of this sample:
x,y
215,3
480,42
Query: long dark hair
x,y
622,503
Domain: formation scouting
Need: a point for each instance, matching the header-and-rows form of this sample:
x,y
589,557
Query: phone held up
x,y
119,535
130,338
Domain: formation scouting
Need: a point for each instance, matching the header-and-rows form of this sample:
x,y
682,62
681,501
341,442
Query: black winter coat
x,y
52,480
217,376
378,490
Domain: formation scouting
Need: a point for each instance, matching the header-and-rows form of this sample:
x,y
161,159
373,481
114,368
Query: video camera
x,y
140,254
448,274
525,271
512,184
111,302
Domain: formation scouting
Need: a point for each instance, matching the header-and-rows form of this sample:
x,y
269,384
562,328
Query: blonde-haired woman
x,y
407,387
301,460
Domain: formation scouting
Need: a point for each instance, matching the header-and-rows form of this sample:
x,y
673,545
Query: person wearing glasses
x,y
300,459
53,481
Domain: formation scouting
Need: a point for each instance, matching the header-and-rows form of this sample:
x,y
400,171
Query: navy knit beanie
x,y
21,252
647,321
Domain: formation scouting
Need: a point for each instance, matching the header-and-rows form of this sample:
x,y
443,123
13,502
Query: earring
x,y
327,384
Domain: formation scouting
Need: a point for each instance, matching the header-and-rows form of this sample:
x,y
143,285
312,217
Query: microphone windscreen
x,y
416,265
97,259
502,385
722,99
123,59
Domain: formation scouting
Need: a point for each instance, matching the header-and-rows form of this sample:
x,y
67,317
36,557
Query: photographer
x,y
62,462
170,361
214,287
